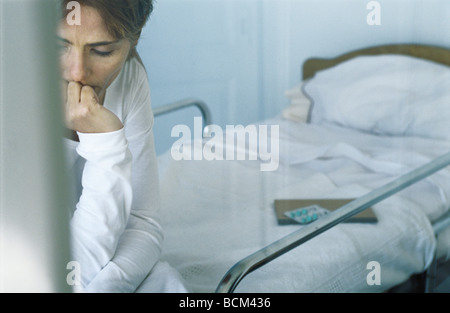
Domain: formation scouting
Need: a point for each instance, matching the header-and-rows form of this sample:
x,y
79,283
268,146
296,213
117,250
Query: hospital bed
x,y
370,125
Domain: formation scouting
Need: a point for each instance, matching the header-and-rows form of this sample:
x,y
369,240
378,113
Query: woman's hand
x,y
85,114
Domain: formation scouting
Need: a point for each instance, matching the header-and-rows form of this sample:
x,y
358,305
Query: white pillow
x,y
386,95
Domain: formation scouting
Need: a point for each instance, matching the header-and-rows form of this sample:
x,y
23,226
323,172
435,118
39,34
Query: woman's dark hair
x,y
123,18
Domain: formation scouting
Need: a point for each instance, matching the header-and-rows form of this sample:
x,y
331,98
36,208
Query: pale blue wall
x,y
240,56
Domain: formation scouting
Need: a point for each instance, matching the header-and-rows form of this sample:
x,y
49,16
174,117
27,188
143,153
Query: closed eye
x,y
61,48
103,53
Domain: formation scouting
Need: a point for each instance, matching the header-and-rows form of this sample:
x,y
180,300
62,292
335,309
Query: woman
x,y
116,235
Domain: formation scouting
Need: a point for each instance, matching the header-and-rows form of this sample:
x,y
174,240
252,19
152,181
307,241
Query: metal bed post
x,y
232,278
178,105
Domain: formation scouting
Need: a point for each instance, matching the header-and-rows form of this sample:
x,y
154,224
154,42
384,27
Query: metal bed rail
x,y
247,265
182,104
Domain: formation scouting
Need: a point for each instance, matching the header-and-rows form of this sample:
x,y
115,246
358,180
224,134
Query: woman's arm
x,y
103,209
139,246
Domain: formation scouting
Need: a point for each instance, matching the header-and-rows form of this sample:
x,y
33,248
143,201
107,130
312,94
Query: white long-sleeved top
x,y
115,230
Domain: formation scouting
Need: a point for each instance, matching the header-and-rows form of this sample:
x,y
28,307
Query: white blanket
x,y
218,212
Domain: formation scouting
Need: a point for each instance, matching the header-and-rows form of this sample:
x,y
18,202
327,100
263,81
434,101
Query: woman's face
x,y
89,54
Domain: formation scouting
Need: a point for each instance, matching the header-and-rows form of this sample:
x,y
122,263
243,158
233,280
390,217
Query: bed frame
x,y
433,53
232,278
436,54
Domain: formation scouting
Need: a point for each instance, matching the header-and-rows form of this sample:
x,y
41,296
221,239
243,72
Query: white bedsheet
x,y
218,212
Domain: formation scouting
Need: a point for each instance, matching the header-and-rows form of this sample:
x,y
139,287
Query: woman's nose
x,y
77,68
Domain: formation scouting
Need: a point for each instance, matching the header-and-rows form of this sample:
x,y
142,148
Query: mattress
x,y
215,213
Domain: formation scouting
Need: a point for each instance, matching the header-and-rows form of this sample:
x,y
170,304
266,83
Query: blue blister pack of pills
x,y
308,214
